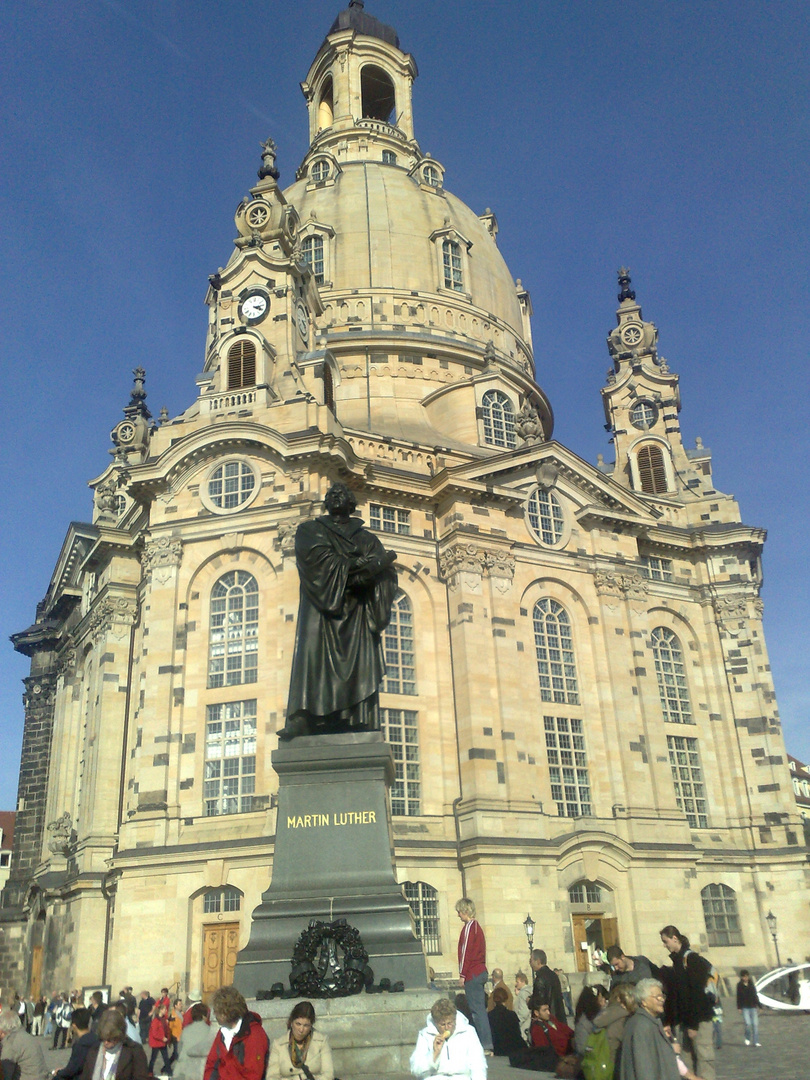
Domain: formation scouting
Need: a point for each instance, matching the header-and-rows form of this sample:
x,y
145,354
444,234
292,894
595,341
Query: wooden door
x,y
580,939
220,946
35,986
610,931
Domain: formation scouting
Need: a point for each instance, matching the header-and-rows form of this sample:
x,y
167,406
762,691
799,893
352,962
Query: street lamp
x,y
528,926
770,919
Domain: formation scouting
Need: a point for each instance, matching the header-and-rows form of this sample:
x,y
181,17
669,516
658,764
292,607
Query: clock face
x,y
254,307
302,321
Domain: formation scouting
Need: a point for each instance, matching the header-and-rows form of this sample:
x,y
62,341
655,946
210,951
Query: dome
x,y
388,234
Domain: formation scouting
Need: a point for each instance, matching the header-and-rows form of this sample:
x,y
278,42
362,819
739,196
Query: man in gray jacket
x,y
21,1054
628,969
647,1053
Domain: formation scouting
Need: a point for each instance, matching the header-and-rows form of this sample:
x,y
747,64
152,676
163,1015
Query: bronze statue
x,y
348,583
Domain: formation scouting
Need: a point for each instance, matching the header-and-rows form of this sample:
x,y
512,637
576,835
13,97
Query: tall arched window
x,y
554,647
376,93
423,901
451,259
326,106
312,249
498,415
721,915
400,677
233,650
242,364
651,470
328,388
671,673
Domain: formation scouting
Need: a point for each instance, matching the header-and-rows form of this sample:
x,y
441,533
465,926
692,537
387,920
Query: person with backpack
x,y
600,1059
590,1003
690,1001
629,969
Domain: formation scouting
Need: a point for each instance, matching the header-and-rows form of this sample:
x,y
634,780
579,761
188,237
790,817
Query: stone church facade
x,y
578,695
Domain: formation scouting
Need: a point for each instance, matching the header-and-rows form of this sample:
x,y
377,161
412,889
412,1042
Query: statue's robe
x,y
345,605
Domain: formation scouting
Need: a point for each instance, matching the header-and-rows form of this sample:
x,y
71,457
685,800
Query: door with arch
x,y
220,946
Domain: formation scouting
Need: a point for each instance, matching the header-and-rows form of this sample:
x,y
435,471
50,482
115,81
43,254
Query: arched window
x,y
431,176
312,250
423,901
585,892
377,93
230,758
326,106
389,157
320,171
451,259
555,653
671,673
687,776
217,900
546,517
242,364
498,415
651,470
234,643
400,728
400,677
721,915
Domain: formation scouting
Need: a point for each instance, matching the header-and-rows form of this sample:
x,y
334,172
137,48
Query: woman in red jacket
x,y
159,1036
472,970
241,1047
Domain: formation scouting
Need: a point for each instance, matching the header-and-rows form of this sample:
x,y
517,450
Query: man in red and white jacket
x,y
472,970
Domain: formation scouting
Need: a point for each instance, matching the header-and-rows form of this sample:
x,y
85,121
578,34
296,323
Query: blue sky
x,y
671,137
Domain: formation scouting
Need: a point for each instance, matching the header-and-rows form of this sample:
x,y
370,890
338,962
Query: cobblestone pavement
x,y
784,1054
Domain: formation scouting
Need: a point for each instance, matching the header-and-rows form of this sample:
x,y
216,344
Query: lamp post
x,y
528,926
770,919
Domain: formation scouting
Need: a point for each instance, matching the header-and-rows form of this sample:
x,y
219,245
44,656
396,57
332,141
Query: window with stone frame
x,y
554,650
221,900
423,901
389,157
400,728
585,892
431,176
451,261
319,171
568,766
242,364
230,757
656,569
670,671
389,519
546,517
313,254
233,654
652,471
231,485
398,643
687,775
721,915
498,416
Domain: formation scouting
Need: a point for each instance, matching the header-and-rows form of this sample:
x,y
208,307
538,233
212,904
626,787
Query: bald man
x,y
497,980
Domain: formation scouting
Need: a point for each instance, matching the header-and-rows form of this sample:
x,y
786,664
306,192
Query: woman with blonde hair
x,y
620,1007
302,1052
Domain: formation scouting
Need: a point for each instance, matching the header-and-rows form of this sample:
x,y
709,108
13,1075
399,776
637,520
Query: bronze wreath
x,y
306,980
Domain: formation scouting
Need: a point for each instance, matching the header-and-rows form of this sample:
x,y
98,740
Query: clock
x,y
302,320
125,432
254,307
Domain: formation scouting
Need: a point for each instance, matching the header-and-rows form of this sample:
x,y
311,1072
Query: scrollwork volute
x,y
114,616
624,586
467,564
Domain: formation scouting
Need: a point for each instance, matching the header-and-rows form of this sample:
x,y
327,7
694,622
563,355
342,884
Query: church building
x,y
578,695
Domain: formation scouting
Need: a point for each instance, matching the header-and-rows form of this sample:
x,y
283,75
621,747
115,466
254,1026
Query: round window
x,y
643,415
320,171
230,486
546,517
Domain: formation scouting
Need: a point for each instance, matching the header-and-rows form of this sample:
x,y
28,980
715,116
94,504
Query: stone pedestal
x,y
370,1034
333,859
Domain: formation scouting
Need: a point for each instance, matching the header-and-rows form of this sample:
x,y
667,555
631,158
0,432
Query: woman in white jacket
x,y
448,1047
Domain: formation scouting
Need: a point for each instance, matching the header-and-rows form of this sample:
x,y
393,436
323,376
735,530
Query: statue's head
x,y
339,500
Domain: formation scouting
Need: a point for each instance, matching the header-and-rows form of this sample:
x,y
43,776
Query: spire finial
x,y
356,3
268,160
625,292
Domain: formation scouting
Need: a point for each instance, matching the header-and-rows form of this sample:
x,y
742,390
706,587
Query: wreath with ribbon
x,y
330,977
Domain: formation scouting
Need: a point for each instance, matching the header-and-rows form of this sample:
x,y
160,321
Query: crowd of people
x,y
644,1023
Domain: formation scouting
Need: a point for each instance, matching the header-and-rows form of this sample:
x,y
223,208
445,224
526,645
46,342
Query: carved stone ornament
x,y
112,616
731,608
467,563
286,536
40,693
528,425
462,559
629,586
165,551
61,832
66,663
500,566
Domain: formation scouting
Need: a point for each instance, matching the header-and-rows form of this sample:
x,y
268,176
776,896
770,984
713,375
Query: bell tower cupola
x,y
359,89
642,401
